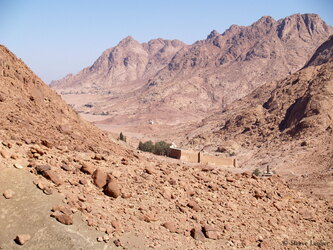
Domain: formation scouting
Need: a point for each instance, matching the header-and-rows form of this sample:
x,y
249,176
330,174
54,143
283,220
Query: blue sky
x,y
57,37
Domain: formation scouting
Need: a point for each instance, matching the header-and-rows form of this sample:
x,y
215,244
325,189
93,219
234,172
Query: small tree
x,y
159,148
147,146
256,172
122,137
162,148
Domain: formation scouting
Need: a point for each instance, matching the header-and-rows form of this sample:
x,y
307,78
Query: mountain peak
x,y
127,40
213,34
266,19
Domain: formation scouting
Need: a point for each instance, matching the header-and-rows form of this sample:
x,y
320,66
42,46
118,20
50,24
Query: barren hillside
x,y
129,199
286,125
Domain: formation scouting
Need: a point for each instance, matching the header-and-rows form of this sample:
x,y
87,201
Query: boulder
x,y
87,169
193,205
170,226
41,168
21,239
65,219
210,232
112,188
149,170
100,178
52,176
8,194
197,234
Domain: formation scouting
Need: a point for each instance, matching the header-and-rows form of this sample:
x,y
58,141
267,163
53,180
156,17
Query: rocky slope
x,y
30,111
206,76
133,200
286,125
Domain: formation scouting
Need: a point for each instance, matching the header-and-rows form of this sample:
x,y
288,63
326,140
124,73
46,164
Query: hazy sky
x,y
57,37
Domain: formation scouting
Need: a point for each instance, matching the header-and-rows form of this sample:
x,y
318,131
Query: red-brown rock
x,y
194,206
87,169
197,234
21,239
52,176
65,219
112,188
170,226
100,178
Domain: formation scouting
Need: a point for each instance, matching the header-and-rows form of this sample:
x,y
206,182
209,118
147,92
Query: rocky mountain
x,y
286,125
62,178
128,62
208,75
27,107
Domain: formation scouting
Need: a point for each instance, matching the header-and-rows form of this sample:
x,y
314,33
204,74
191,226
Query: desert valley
x,y
261,95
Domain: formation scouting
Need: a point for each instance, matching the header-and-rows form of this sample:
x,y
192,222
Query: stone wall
x,y
190,156
200,157
184,155
216,160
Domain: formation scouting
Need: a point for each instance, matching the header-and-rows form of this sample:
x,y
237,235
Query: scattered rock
x,y
194,206
106,238
18,166
63,209
170,226
46,143
4,154
124,161
230,179
47,191
98,157
83,181
112,188
210,232
197,234
259,194
8,194
63,218
99,177
52,176
66,167
41,168
116,225
149,170
87,169
21,239
207,168
117,243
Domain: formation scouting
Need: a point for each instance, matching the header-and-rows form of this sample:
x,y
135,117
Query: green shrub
x,y
162,148
147,146
159,148
256,172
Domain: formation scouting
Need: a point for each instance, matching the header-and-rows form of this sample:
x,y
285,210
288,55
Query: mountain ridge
x,y
193,81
